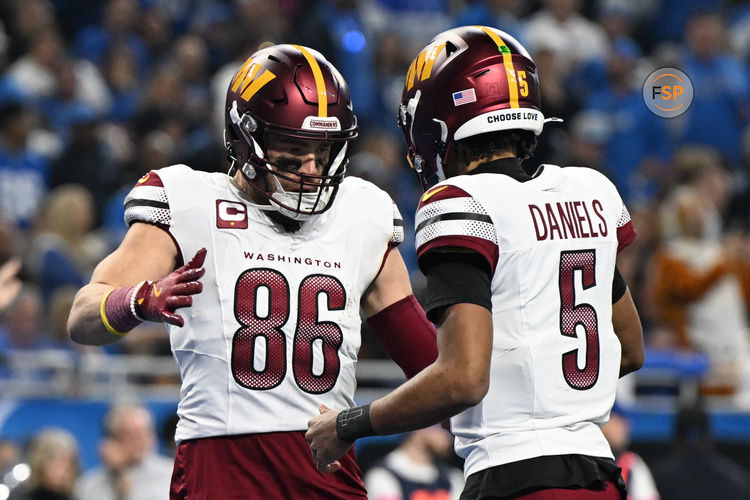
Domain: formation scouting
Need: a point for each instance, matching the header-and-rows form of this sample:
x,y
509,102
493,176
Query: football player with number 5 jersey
x,y
535,323
273,264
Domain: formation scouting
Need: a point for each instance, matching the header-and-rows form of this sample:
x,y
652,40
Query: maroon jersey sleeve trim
x,y
148,202
150,179
442,193
625,235
489,250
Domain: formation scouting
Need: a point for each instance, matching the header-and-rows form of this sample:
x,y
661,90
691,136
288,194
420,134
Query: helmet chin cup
x,y
306,204
297,215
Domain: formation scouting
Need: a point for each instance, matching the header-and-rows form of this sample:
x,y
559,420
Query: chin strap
x,y
281,200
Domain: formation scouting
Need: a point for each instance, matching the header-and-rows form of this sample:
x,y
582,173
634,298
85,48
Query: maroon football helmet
x,y
467,81
289,91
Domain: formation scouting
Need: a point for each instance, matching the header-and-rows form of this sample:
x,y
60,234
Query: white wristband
x,y
136,289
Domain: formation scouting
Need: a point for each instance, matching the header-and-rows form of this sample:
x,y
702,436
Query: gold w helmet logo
x,y
421,67
247,82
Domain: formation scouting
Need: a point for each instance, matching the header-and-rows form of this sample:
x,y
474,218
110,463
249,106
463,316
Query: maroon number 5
x,y
573,315
270,289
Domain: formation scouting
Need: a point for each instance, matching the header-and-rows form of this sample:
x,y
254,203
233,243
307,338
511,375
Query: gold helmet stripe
x,y
319,82
510,73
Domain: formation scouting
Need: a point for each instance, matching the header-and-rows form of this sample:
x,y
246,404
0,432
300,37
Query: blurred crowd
x,y
93,94
49,467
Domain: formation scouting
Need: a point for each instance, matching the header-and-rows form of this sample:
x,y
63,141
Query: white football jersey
x,y
551,244
276,329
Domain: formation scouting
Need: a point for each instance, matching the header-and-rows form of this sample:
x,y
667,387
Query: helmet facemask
x,y
312,194
306,194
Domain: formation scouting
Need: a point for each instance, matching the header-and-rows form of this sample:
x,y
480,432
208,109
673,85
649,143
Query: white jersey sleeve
x,y
148,202
449,217
397,235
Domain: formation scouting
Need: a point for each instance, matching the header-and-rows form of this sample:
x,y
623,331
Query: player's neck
x,y
506,165
477,163
290,225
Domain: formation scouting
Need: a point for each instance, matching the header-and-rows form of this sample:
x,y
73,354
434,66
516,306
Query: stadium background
x,y
93,94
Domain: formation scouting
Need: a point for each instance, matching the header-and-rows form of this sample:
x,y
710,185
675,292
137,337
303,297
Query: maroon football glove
x,y
157,300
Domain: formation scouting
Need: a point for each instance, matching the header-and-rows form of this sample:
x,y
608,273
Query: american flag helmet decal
x,y
464,97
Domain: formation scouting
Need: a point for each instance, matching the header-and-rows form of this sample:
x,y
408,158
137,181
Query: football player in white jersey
x,y
264,317
535,322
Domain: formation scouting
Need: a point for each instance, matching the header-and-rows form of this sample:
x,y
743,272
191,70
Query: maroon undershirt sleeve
x,y
406,334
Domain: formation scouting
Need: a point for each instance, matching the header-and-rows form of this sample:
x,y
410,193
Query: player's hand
x,y
326,447
157,300
10,285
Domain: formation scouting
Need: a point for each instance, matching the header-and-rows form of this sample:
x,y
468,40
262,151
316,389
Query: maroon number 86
x,y
309,330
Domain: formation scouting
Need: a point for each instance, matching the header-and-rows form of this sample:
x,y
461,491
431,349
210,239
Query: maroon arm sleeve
x,y
406,334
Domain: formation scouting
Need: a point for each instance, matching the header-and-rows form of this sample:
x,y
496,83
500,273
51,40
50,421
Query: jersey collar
x,y
508,166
